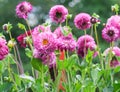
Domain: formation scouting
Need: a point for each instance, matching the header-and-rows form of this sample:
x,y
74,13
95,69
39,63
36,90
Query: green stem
x,y
69,82
14,53
99,54
10,75
91,30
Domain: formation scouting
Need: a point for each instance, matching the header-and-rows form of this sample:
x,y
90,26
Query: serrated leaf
x,y
36,64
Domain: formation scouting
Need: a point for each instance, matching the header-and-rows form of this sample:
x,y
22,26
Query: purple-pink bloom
x,y
114,21
110,33
84,43
59,31
22,9
47,59
66,43
45,42
116,53
38,29
21,39
58,13
3,48
82,21
114,63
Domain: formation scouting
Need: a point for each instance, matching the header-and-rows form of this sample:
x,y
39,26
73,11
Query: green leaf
x,y
6,87
28,52
37,64
95,74
1,68
108,89
89,56
9,58
21,26
117,69
116,87
17,79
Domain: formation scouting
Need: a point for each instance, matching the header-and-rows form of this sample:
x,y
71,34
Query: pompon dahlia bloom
x,y
66,43
38,29
59,33
110,33
114,21
21,39
22,9
58,13
82,21
84,43
47,59
116,52
3,48
45,42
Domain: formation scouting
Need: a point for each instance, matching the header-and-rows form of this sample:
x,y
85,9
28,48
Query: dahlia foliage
x,y
59,61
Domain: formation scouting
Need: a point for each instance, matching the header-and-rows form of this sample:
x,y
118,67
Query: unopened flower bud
x,y
11,43
94,20
27,40
69,16
5,27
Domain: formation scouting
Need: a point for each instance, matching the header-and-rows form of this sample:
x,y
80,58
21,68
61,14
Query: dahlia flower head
x,y
110,33
66,43
3,48
116,52
45,42
47,59
82,21
114,21
22,39
84,43
59,31
38,29
58,13
22,9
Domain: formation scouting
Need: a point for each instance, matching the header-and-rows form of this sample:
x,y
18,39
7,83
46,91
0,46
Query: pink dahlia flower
x,y
59,31
38,29
110,33
58,13
22,9
82,21
66,43
114,63
3,48
45,42
21,39
47,59
114,21
84,43
116,52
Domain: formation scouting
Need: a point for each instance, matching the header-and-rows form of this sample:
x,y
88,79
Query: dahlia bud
x,y
94,20
11,43
5,27
27,40
115,8
69,16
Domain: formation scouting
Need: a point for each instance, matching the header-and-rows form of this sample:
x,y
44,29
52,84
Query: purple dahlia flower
x,y
58,13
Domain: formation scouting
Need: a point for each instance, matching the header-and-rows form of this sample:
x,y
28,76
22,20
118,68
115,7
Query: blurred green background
x,y
40,14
